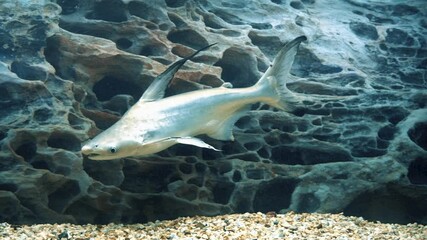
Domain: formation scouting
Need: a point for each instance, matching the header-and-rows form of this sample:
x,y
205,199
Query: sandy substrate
x,y
236,226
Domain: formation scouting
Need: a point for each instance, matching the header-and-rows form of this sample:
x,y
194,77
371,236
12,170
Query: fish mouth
x,y
89,152
93,155
97,156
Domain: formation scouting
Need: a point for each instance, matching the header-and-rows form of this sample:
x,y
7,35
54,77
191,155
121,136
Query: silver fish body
x,y
155,123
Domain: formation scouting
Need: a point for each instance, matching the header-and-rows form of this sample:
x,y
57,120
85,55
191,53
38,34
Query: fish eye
x,y
113,150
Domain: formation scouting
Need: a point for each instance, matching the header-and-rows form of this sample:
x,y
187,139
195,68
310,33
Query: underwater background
x,y
70,68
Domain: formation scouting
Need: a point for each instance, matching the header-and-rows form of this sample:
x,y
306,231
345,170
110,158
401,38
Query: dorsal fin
x,y
157,88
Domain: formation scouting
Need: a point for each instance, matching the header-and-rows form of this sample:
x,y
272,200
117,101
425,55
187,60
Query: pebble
x,y
257,226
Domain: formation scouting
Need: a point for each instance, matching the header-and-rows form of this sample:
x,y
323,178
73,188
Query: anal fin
x,y
224,130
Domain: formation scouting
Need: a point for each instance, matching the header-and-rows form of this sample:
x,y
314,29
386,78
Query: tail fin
x,y
273,82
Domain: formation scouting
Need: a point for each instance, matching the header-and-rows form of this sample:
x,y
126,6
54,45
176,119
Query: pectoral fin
x,y
192,141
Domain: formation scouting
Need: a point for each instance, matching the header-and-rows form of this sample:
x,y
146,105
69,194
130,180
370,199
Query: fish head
x,y
108,146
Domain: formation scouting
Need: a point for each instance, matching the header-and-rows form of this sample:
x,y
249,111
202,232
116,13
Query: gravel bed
x,y
236,226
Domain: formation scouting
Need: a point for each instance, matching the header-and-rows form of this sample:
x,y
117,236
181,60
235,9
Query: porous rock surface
x,y
356,144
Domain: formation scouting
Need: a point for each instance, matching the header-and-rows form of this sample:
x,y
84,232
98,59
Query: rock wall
x,y
357,144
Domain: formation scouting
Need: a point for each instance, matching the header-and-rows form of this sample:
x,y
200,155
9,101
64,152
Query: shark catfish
x,y
155,123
